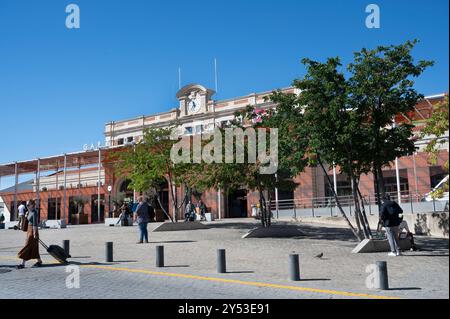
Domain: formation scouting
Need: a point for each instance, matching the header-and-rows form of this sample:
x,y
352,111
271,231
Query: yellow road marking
x,y
240,282
233,281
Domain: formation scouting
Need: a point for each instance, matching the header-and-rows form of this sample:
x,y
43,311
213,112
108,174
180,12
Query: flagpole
x,y
215,74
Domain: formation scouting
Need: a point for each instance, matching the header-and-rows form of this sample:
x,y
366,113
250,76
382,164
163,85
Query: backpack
x,y
395,214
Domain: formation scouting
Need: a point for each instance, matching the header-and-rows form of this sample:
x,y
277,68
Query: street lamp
x,y
109,200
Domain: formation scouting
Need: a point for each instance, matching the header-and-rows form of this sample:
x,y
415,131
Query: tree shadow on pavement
x,y
432,244
173,242
235,225
327,233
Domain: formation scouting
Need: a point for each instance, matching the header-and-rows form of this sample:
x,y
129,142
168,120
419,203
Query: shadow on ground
x,y
327,233
236,225
439,245
173,242
406,288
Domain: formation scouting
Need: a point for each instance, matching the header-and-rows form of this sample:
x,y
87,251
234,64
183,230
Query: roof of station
x,y
53,163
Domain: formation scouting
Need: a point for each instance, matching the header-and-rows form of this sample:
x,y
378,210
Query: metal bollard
x,y
159,256
66,245
221,261
294,267
109,252
381,279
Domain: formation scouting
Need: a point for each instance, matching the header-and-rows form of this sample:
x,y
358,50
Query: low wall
x,y
431,224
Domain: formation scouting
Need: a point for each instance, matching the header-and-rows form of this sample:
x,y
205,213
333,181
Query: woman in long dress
x,y
31,248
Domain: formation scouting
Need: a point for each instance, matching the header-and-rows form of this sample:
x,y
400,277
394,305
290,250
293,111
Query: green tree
x,y
436,127
348,116
381,87
148,165
247,174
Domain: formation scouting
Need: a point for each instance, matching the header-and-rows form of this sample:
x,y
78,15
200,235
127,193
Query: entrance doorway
x,y
54,209
237,204
163,194
94,208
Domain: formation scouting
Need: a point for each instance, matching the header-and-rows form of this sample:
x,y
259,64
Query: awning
x,y
53,163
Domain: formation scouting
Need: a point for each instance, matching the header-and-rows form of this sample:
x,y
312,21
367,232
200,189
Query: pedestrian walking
x,y
142,217
22,209
391,217
31,248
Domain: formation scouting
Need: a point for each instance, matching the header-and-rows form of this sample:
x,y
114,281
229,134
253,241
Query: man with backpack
x,y
142,217
391,217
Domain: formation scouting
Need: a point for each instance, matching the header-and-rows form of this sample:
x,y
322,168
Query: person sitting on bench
x,y
404,232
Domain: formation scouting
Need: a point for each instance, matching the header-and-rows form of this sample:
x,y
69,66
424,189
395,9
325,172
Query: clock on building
x,y
194,104
194,99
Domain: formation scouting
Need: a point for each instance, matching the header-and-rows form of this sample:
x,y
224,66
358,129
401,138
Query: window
x,y
130,139
54,209
188,130
120,141
437,174
285,199
390,182
198,129
344,186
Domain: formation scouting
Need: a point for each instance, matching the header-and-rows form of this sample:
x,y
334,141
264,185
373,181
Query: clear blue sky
x,y
58,87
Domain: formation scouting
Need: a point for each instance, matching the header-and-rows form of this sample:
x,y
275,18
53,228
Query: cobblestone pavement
x,y
257,268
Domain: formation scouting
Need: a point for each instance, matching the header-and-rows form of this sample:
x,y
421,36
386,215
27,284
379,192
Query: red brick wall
x,y
44,196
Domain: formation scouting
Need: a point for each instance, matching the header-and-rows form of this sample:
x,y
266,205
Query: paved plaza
x,y
257,268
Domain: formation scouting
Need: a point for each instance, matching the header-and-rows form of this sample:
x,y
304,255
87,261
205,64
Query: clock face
x,y
194,105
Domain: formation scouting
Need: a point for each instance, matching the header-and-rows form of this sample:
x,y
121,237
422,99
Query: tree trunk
x,y
263,207
377,189
363,212
330,184
269,209
162,208
358,217
174,200
381,188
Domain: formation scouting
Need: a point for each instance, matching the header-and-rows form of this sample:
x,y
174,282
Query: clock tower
x,y
194,99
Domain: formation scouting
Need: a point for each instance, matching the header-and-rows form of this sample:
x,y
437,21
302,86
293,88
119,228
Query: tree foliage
x,y
436,127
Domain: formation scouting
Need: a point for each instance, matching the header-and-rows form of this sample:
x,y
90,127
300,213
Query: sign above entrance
x,y
94,147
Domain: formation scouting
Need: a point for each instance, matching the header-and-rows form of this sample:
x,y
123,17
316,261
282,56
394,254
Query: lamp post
x,y
109,200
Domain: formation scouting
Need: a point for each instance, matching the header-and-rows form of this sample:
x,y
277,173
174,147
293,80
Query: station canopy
x,y
53,163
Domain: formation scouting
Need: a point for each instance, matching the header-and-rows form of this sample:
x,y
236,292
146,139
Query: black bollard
x,y
294,267
109,252
159,256
66,245
382,281
221,261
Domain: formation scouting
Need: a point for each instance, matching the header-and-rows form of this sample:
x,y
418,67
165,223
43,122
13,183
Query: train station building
x,y
81,187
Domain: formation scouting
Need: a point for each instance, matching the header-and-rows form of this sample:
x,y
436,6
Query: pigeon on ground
x,y
319,255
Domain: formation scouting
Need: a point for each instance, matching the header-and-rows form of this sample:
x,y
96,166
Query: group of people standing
x,y
192,210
